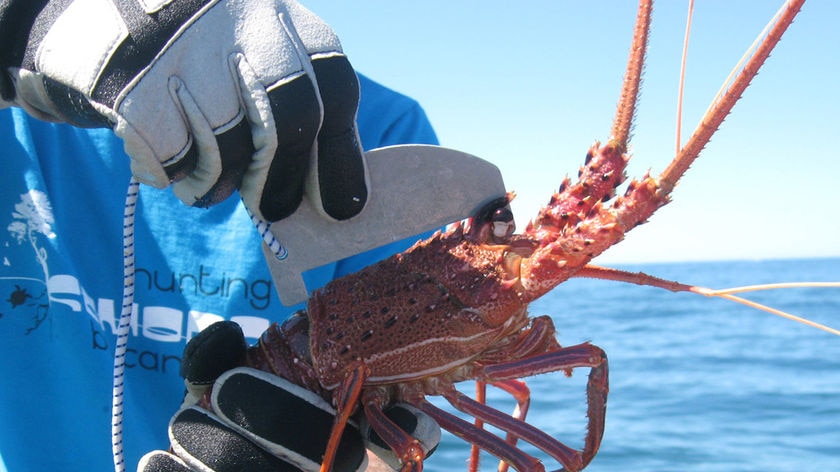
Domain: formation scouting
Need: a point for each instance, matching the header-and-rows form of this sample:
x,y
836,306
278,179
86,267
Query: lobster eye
x,y
502,223
494,222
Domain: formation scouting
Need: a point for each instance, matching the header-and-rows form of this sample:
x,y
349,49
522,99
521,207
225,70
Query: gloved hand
x,y
257,421
210,95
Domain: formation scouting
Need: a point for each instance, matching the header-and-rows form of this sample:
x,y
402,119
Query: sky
x,y
531,88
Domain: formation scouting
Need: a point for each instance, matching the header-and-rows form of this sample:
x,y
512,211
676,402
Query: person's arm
x,y
210,96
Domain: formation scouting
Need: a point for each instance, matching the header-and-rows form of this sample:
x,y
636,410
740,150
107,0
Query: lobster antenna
x,y
640,278
682,75
726,293
721,107
744,58
620,134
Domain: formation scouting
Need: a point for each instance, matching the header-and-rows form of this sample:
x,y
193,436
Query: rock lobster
x,y
454,307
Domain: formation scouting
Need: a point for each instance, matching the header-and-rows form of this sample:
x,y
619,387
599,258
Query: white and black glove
x,y
212,95
256,421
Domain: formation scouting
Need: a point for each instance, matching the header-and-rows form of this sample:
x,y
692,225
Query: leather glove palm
x,y
211,95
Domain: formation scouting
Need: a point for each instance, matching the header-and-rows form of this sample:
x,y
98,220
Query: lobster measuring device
x,y
413,189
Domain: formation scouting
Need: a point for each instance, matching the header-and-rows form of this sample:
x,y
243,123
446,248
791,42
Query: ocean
x,y
696,384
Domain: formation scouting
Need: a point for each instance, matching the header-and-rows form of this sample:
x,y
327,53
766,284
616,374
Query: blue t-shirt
x,y
62,191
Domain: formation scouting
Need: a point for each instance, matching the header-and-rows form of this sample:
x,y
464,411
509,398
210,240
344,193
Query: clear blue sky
x,y
530,89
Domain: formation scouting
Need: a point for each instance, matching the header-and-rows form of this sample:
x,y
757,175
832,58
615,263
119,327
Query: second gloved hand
x,y
254,420
211,95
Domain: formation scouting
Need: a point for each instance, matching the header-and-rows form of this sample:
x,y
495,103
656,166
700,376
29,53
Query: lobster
x,y
454,307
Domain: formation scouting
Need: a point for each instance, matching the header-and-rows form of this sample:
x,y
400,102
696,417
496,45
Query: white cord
x,y
124,326
264,229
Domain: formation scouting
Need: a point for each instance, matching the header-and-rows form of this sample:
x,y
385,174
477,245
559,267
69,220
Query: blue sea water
x,y
696,384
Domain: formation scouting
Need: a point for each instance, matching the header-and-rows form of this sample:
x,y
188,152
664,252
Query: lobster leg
x,y
570,458
407,448
522,394
538,338
562,359
346,397
475,452
483,439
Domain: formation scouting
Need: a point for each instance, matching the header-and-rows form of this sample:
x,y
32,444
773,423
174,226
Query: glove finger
x,y
216,159
205,443
337,176
160,461
340,173
216,349
297,115
235,150
285,419
284,118
211,143
313,38
314,34
182,44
